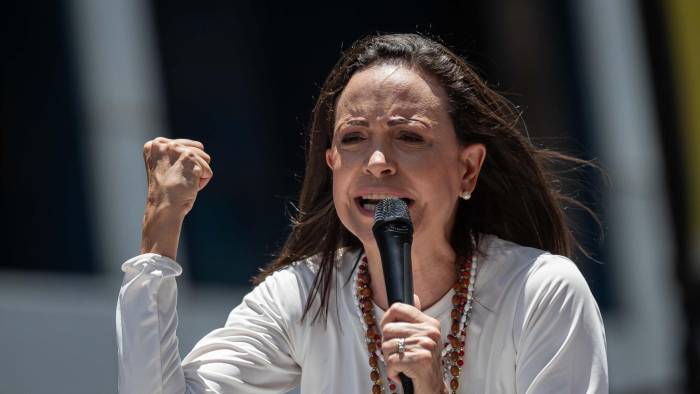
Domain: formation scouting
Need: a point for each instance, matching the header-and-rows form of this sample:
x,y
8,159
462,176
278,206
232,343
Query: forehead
x,y
386,89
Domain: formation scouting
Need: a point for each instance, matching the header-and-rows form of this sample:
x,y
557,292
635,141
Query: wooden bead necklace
x,y
453,350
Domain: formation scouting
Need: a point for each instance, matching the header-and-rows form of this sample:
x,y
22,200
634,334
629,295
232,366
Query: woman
x,y
399,116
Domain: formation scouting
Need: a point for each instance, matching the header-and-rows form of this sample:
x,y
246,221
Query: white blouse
x,y
535,328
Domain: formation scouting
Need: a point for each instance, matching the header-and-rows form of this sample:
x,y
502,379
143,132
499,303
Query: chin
x,y
361,231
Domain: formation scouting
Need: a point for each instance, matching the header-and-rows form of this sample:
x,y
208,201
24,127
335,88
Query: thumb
x,y
203,181
416,302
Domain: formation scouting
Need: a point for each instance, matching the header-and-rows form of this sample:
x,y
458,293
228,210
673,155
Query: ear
x,y
330,160
472,158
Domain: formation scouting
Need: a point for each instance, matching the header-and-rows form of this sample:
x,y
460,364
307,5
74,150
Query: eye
x,y
411,137
351,138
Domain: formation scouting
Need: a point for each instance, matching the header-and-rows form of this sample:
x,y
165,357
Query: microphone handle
x,y
399,285
407,298
407,383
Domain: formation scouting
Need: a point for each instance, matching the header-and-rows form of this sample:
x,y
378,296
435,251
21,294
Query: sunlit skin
x,y
394,136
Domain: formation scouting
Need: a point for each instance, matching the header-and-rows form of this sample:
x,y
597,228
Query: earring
x,y
466,195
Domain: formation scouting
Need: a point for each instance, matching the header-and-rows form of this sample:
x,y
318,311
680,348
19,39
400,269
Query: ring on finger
x,y
401,349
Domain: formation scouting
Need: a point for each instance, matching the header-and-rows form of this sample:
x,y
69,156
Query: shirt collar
x,y
490,260
486,291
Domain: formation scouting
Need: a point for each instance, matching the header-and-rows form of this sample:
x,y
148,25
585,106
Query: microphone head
x,y
393,212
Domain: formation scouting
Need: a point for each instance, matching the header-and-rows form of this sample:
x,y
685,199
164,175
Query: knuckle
x,y
432,323
434,333
385,347
428,344
392,311
388,329
431,333
162,146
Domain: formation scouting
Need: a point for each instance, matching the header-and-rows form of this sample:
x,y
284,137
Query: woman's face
x,y
393,137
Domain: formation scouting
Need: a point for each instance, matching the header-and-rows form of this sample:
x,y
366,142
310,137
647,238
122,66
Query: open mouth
x,y
369,204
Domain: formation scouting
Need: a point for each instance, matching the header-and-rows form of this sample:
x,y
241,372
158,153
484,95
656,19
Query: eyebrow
x,y
391,122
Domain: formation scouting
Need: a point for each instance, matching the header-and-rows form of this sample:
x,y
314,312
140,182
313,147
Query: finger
x,y
182,148
190,154
403,312
187,142
401,330
206,175
201,179
203,182
393,359
201,153
408,363
391,346
203,172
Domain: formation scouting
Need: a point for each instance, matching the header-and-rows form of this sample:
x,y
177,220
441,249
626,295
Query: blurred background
x,y
84,83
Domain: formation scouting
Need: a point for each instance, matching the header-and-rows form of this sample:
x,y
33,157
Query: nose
x,y
379,166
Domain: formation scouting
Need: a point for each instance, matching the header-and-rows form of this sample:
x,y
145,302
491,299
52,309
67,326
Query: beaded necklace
x,y
453,350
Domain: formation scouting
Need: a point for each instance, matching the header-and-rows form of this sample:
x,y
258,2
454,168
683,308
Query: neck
x,y
434,273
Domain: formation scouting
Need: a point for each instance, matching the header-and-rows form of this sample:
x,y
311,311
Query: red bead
x,y
392,386
454,370
460,362
363,277
372,332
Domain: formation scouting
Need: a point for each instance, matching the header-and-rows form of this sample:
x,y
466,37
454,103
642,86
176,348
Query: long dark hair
x,y
517,197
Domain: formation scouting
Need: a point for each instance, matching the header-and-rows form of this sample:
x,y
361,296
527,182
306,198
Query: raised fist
x,y
176,170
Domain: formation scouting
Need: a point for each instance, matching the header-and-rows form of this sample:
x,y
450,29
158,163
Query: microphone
x,y
393,232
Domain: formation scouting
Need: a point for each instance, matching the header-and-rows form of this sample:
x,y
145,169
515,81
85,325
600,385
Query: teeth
x,y
378,196
370,201
369,207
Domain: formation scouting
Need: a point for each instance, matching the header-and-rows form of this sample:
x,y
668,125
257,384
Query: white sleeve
x,y
251,354
560,334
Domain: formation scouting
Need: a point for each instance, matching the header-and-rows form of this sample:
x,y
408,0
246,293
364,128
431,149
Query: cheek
x,y
341,198
440,186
